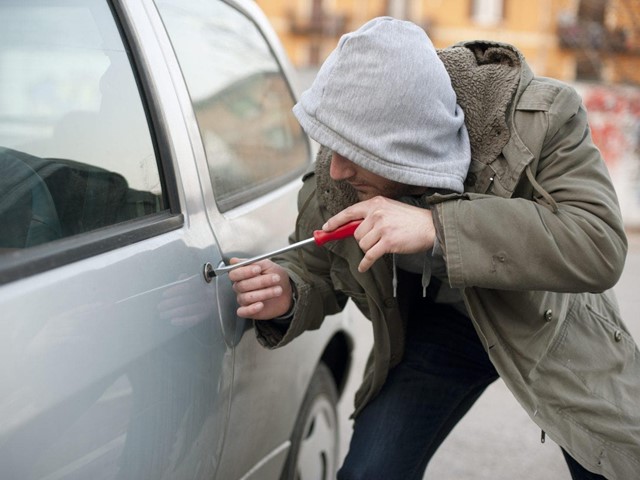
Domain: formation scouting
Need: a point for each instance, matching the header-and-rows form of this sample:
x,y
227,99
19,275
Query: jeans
x,y
444,371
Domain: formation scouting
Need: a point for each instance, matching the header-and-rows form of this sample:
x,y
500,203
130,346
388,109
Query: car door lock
x,y
208,272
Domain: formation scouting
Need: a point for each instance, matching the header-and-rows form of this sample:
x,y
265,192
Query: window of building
x,y
487,12
399,9
594,38
588,66
241,99
592,10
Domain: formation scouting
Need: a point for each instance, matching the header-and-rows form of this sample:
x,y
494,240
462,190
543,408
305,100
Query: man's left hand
x,y
388,226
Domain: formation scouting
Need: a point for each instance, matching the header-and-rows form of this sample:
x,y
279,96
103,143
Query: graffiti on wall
x,y
614,117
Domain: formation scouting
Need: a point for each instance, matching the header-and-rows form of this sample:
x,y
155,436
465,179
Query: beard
x,y
387,189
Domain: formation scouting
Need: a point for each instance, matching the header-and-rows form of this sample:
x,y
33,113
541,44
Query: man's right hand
x,y
263,290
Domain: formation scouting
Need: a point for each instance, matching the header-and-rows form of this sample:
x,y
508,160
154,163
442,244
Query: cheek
x,y
380,185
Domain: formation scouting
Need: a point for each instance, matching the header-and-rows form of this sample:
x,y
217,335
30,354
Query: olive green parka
x,y
534,242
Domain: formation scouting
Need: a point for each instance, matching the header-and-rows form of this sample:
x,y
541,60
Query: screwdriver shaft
x,y
320,237
226,268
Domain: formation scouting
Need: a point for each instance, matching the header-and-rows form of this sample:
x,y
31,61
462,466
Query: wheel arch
x,y
337,356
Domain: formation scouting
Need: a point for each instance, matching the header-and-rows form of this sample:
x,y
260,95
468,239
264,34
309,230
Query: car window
x,y
76,152
240,96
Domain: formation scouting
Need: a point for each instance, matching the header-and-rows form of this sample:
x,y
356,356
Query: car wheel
x,y
314,443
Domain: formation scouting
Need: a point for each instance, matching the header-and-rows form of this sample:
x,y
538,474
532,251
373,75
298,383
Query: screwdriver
x,y
320,237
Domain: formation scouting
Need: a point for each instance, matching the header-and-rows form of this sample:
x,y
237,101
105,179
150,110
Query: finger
x,y
370,257
185,316
256,283
250,311
169,303
186,322
255,296
243,273
363,210
368,239
354,212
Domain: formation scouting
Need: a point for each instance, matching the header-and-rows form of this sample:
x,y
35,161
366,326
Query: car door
x,y
113,361
253,155
251,149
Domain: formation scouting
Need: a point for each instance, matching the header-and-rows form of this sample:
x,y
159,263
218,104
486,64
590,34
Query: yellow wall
x,y
530,26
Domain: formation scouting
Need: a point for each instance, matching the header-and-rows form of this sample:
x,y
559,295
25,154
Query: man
x,y
488,217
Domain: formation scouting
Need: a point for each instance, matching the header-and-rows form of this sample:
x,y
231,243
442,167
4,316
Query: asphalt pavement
x,y
496,440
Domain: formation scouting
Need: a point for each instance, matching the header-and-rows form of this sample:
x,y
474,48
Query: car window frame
x,y
240,199
23,263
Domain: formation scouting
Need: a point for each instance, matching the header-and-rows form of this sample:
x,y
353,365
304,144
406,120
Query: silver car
x,y
143,143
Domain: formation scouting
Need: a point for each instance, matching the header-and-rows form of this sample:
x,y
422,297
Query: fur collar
x,y
485,77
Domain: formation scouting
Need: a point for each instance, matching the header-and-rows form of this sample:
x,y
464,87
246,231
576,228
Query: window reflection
x,y
241,100
71,115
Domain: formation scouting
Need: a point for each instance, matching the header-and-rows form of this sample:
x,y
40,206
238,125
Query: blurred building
x,y
592,40
593,44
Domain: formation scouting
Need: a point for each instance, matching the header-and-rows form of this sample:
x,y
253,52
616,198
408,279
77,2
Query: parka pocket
x,y
595,347
587,385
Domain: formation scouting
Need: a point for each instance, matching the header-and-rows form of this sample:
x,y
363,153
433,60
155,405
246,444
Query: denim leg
x,y
578,472
443,372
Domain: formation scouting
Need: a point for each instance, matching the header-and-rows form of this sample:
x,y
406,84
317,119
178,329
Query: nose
x,y
341,168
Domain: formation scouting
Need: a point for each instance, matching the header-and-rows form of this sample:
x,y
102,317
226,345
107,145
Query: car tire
x,y
315,439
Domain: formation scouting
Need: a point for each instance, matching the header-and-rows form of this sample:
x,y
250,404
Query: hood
x,y
487,77
384,100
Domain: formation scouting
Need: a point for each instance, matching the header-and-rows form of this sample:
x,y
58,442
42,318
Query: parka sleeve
x,y
568,238
309,269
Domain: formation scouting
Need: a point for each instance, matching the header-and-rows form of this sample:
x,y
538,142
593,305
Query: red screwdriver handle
x,y
321,237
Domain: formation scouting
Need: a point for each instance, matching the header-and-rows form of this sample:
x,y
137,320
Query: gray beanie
x,y
384,100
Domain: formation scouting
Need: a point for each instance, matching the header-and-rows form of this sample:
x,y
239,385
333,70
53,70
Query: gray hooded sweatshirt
x,y
370,104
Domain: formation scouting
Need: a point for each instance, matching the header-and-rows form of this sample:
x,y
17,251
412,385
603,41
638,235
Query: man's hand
x,y
263,290
388,226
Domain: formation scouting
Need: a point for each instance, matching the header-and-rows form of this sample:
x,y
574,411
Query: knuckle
x,y
248,298
370,255
240,287
378,214
253,297
385,230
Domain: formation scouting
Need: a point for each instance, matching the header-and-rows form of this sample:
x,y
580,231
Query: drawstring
x,y
394,282
538,188
426,274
